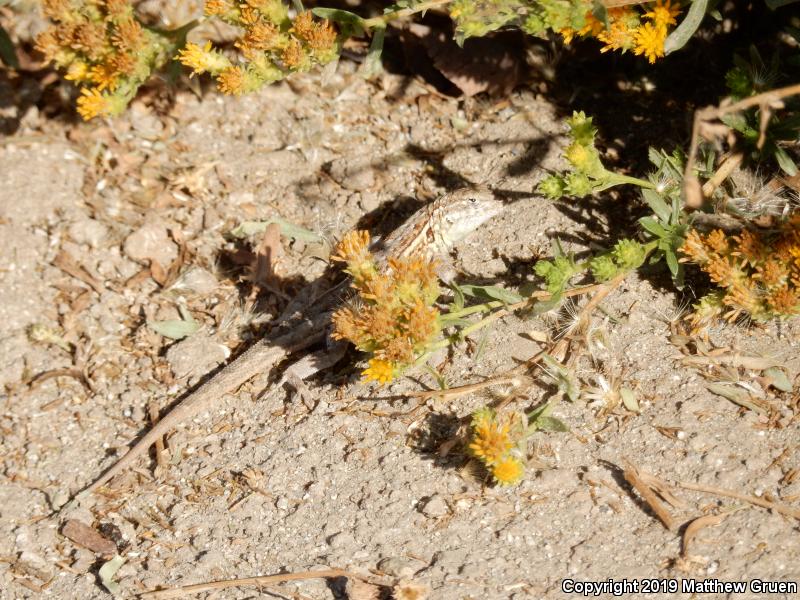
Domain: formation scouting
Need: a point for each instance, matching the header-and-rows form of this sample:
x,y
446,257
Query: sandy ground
x,y
345,480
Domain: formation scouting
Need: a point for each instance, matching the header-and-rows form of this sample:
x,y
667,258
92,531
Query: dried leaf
x,y
629,400
737,396
85,536
267,255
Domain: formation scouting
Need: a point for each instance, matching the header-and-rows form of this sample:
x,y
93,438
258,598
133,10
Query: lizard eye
x,y
473,200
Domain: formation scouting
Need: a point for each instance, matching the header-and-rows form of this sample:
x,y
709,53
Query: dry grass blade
x,y
152,412
705,125
780,508
197,588
756,363
698,525
633,477
67,264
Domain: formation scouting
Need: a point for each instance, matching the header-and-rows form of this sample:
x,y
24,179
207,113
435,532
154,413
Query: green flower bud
x,y
552,187
629,254
603,267
578,185
581,129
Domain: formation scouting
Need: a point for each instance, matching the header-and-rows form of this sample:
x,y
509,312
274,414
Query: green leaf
x,y
174,329
481,345
107,572
440,380
372,63
547,305
539,412
353,24
651,225
785,161
7,52
458,298
657,204
672,261
492,292
290,230
551,424
600,12
684,32
778,379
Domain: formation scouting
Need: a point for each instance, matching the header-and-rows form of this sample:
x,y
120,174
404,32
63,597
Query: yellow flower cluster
x,y
628,29
272,45
393,317
758,272
494,442
103,49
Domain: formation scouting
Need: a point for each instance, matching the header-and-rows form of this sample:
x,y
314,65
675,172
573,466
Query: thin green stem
x,y
619,179
471,310
382,20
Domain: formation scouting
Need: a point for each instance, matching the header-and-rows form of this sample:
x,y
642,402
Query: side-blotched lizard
x,y
430,232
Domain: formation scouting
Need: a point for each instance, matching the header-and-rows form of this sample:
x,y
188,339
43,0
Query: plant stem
x,y
382,20
618,178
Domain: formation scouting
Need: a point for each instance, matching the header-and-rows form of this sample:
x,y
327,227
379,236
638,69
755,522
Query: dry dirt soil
x,y
266,483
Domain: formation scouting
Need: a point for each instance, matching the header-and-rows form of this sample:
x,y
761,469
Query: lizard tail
x,y
260,358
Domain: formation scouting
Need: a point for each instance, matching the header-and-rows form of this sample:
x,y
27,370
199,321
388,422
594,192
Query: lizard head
x,y
465,210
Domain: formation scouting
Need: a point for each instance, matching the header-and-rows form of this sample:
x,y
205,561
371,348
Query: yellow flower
x,y
508,471
354,247
663,14
379,370
217,8
490,441
92,104
650,41
104,77
200,60
232,81
617,37
593,26
77,71
568,34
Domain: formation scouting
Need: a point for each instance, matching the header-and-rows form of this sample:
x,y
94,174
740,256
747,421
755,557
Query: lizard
x,y
430,233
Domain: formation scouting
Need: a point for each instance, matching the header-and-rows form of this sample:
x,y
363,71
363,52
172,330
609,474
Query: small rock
x,y
83,560
151,242
88,231
369,201
196,280
435,507
340,540
398,566
145,123
357,589
59,499
352,175
34,565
